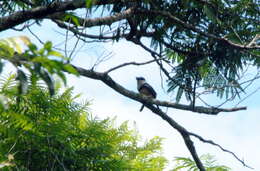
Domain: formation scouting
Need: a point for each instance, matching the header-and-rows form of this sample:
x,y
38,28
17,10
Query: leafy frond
x,y
183,163
57,128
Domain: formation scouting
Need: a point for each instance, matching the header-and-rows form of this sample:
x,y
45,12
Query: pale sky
x,y
237,131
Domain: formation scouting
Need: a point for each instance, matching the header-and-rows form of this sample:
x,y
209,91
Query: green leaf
x,y
63,77
71,17
75,20
48,46
70,69
5,50
211,15
15,44
41,59
90,3
33,48
48,80
57,54
179,94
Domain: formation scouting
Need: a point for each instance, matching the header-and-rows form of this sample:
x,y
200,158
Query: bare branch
x,y
219,146
184,133
198,109
129,63
256,90
77,32
253,43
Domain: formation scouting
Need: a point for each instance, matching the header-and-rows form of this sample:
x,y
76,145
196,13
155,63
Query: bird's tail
x,y
142,107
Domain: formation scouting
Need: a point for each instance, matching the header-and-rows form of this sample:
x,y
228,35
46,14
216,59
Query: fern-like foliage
x,y
43,132
209,162
188,77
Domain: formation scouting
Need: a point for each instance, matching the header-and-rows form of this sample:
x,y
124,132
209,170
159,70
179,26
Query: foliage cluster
x,y
55,133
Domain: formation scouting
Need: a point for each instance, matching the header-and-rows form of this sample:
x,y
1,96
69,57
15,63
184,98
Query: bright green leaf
x,y
48,46
70,69
56,53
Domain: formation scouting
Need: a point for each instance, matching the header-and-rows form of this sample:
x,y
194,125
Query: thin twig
x,y
195,29
129,63
223,149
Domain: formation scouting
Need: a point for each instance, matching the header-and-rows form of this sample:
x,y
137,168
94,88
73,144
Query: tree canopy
x,y
40,132
201,46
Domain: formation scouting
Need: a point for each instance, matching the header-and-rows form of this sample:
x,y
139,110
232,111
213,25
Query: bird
x,y
145,89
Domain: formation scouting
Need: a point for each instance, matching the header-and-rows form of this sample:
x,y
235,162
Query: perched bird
x,y
145,89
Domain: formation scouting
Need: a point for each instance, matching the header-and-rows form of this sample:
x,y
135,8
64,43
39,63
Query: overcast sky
x,y
237,131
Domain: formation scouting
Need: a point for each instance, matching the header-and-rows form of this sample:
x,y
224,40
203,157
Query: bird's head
x,y
140,79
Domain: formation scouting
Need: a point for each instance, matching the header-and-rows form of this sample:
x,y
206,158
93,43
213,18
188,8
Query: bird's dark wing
x,y
149,90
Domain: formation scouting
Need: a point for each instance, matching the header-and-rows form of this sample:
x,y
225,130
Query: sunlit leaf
x,y
70,69
48,46
57,54
5,50
25,40
72,17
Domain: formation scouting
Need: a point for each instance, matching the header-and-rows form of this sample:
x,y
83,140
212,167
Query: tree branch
x,y
108,20
129,63
195,29
100,36
142,99
19,17
105,78
39,12
219,146
184,133
135,96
